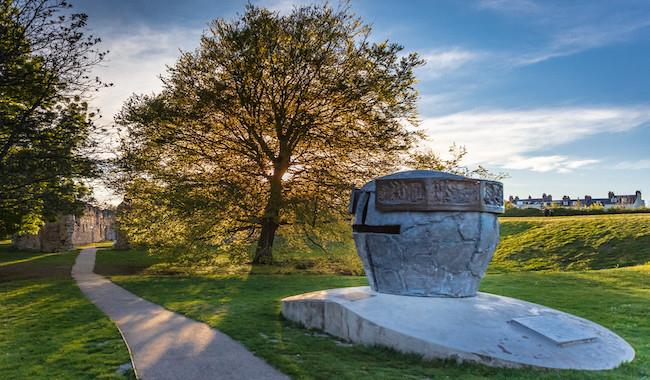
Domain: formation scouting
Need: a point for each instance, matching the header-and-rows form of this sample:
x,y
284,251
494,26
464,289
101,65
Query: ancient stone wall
x,y
27,242
93,226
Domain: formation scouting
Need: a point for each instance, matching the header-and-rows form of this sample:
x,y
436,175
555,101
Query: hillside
x,y
573,243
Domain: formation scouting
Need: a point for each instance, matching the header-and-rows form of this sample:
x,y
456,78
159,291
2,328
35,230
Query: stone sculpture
x,y
425,239
426,233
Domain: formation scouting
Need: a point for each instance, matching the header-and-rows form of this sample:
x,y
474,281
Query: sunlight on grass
x,y
37,256
51,331
573,243
48,329
247,307
101,244
546,243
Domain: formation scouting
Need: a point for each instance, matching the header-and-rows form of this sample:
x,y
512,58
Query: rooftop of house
x,y
612,199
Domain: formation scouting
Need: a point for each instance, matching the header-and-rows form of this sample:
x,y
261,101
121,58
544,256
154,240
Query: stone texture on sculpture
x,y
443,231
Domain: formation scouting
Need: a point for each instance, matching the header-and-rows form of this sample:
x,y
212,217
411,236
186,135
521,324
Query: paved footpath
x,y
163,344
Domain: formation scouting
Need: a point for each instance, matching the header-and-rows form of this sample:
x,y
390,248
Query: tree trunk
x,y
264,250
271,220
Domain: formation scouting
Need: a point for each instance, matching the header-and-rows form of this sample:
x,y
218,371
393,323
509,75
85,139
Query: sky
x,y
554,93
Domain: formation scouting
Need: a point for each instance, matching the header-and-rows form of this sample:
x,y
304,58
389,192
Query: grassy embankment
x,y
573,242
48,329
247,306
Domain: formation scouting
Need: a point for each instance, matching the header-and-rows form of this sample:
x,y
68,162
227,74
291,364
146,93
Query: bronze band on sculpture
x,y
431,194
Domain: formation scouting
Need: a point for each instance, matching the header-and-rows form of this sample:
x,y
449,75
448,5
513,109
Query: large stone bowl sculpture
x,y
426,233
425,239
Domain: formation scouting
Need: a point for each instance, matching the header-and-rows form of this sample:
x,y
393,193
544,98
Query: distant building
x,y
612,200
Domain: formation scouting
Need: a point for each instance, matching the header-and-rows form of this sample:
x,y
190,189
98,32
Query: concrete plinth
x,y
487,329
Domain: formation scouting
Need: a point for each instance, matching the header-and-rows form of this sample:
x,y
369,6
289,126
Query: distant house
x,y
612,200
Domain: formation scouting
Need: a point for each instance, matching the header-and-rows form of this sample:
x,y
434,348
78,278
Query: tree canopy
x,y
267,124
45,59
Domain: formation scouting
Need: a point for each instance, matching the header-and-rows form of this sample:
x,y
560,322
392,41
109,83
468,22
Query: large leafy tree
x,y
45,59
268,123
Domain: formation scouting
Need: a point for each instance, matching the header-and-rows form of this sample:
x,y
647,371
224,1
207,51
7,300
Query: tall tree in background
x,y
45,58
267,123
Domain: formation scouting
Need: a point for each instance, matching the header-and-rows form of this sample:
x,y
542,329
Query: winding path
x,y
164,344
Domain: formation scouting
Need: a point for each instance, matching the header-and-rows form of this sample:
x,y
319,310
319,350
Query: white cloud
x,y
575,40
509,139
510,6
558,163
135,62
284,6
441,103
568,28
633,165
440,62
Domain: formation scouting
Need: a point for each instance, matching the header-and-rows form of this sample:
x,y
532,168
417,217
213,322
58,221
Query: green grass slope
x,y
573,243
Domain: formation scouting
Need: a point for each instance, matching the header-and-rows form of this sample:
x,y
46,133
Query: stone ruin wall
x,y
93,226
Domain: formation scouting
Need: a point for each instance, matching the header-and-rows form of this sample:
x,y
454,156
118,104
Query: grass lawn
x,y
248,309
48,329
573,242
